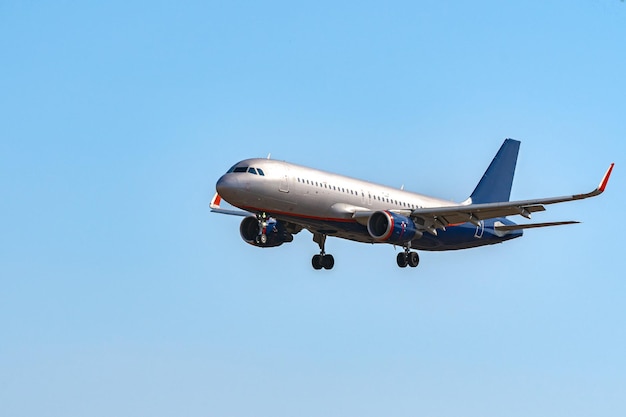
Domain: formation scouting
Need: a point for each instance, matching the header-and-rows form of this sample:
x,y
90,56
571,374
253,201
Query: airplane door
x,y
284,181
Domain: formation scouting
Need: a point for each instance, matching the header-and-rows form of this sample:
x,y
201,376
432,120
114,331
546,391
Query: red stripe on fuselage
x,y
300,216
326,219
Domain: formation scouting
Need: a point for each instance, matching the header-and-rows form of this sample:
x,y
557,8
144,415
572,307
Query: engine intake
x,y
275,232
386,226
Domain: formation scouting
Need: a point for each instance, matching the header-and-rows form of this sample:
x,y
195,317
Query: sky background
x,y
121,294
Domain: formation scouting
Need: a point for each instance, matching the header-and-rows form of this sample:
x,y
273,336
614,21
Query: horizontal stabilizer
x,y
504,228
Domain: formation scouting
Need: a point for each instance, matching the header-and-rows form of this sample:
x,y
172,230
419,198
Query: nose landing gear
x,y
323,260
262,235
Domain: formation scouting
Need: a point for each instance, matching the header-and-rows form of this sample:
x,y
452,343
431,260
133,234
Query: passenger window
x,y
252,170
261,173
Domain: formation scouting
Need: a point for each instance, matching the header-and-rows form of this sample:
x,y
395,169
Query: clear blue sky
x,y
123,296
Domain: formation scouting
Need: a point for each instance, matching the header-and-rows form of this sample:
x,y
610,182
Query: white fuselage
x,y
317,199
292,189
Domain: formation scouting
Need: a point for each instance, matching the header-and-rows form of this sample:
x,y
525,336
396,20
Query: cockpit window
x,y
246,168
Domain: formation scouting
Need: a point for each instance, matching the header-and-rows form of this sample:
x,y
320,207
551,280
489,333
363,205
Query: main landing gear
x,y
409,258
322,260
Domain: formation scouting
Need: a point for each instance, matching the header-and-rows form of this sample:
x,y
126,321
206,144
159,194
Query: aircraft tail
x,y
495,185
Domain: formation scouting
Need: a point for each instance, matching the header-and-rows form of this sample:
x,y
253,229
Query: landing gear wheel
x,y
316,262
328,261
323,260
413,259
261,238
402,259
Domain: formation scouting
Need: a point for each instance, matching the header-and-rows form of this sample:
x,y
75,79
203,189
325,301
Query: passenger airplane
x,y
280,199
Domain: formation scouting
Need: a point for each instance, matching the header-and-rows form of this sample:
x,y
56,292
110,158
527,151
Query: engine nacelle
x,y
386,226
275,232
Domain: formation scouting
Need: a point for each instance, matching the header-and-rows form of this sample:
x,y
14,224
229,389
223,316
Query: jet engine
x,y
274,231
386,226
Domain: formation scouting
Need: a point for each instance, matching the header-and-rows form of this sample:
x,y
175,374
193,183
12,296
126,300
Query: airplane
x,y
279,199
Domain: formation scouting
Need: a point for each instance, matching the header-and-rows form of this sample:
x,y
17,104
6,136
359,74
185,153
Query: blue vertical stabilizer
x,y
495,185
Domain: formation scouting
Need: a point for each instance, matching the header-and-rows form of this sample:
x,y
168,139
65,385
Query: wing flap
x,y
476,212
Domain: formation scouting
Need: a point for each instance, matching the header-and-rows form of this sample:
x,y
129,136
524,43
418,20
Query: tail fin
x,y
495,185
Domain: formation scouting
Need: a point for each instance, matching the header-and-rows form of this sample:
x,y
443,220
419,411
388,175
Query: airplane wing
x,y
216,208
440,217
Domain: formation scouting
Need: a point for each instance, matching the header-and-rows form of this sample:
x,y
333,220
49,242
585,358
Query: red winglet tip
x,y
217,199
605,179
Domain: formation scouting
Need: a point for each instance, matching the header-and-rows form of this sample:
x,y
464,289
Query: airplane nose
x,y
227,186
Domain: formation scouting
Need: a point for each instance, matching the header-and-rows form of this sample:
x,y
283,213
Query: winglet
x,y
605,179
601,186
215,202
217,208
